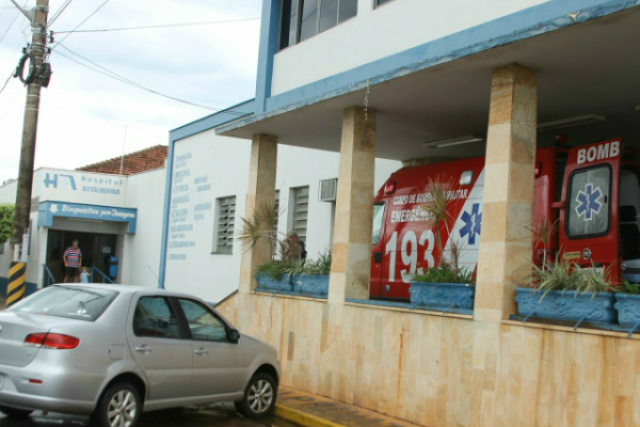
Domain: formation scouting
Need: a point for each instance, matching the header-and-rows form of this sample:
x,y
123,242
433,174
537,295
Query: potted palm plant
x,y
564,291
445,286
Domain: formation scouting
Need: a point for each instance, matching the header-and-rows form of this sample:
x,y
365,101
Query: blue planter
x,y
628,306
442,296
299,284
567,305
305,284
268,283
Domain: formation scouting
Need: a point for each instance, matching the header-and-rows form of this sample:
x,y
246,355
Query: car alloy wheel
x,y
120,406
122,409
259,396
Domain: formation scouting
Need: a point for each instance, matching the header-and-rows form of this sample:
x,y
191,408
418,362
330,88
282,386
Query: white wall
x,y
95,189
377,33
225,163
139,264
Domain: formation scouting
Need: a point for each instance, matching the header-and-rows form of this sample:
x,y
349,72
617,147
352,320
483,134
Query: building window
x,y
381,2
301,19
299,209
226,213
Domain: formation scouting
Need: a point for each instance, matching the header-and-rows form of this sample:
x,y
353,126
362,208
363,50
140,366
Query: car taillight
x,y
50,340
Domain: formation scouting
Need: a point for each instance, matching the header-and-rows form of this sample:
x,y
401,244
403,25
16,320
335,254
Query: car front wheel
x,y
15,413
259,397
120,406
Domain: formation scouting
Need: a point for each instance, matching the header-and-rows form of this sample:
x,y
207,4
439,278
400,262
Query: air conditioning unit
x,y
328,190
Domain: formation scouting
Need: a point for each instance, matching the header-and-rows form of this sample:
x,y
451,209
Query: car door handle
x,y
201,351
144,349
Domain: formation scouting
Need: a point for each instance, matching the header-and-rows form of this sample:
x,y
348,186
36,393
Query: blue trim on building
x,y
216,119
537,20
4,281
165,216
269,35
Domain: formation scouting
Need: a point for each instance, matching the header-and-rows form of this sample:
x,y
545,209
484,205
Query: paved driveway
x,y
215,416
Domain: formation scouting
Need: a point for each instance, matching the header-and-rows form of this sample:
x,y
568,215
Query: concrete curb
x,y
303,418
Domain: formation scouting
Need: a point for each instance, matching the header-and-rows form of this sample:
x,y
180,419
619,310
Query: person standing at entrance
x,y
72,263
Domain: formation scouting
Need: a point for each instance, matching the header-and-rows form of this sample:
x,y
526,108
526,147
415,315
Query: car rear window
x,y
67,301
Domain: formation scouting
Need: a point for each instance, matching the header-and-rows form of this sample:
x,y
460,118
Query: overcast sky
x,y
83,114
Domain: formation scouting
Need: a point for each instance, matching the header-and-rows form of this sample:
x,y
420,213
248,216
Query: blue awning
x,y
49,210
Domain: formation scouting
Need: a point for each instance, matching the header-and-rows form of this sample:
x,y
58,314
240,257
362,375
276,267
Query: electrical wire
x,y
108,73
6,82
11,19
147,27
81,22
58,13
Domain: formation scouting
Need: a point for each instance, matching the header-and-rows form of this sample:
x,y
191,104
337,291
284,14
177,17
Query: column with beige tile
x,y
261,193
507,209
351,251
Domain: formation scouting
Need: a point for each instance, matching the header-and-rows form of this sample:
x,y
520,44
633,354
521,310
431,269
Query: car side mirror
x,y
233,336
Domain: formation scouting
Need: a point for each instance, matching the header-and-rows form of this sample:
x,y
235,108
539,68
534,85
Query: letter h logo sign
x,y
51,180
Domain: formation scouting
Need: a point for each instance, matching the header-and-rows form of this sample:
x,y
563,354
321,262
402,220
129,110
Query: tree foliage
x,y
6,221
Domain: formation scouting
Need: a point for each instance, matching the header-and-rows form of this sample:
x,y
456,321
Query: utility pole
x,y
38,76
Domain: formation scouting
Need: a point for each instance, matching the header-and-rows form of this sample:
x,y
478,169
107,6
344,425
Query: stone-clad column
x,y
507,210
260,193
351,252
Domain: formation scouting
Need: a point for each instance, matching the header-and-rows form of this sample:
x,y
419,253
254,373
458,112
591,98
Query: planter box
x,y
299,284
443,296
268,283
628,306
305,284
567,306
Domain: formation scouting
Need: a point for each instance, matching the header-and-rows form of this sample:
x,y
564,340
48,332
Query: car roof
x,y
129,289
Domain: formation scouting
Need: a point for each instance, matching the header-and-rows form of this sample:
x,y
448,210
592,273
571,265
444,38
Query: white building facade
x,y
111,216
206,195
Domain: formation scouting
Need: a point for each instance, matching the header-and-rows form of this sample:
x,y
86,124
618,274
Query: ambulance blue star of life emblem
x,y
472,223
589,203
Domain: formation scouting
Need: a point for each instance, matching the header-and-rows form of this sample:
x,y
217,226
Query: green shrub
x,y
444,273
7,213
563,276
629,288
275,269
319,267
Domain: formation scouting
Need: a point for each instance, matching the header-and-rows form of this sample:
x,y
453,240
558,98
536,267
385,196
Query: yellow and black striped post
x,y
17,282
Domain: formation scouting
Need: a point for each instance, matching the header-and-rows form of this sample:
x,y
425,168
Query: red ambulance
x,y
587,190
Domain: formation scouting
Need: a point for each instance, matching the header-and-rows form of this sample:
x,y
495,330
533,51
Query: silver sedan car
x,y
113,351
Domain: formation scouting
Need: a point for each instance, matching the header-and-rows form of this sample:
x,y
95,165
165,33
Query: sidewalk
x,y
310,410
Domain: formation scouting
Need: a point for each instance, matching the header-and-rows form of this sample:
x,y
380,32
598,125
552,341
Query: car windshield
x,y
67,301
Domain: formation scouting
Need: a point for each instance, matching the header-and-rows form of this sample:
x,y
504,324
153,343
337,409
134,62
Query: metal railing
x,y
47,276
96,273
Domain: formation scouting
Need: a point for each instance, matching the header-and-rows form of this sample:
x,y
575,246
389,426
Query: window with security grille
x,y
226,214
299,211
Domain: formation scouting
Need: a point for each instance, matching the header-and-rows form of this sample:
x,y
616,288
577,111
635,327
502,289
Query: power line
x,y
6,82
81,22
11,21
59,12
147,27
106,72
